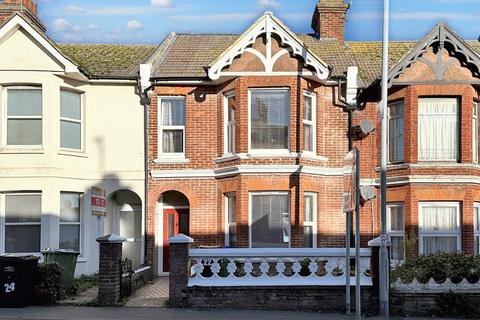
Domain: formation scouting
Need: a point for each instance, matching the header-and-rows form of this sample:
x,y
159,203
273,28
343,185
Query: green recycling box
x,y
68,260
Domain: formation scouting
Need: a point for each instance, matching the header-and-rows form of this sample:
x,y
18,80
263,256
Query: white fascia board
x,y
18,22
425,179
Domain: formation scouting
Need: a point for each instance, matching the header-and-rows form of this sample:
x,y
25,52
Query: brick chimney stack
x,y
27,7
329,18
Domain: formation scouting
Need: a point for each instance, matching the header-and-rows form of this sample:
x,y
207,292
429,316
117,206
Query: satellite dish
x,y
367,193
367,127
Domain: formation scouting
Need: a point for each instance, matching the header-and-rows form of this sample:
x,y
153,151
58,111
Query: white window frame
x,y
3,222
161,127
457,114
227,198
476,227
395,103
422,233
267,151
81,122
475,129
227,124
269,193
312,123
6,117
313,223
396,233
79,223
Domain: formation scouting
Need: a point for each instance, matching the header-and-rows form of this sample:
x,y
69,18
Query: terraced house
x,y
248,132
70,121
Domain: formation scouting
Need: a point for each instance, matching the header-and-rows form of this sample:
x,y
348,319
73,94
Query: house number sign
x,y
9,287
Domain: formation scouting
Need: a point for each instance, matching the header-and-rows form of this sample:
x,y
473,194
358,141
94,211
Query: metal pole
x,y
383,255
348,228
358,303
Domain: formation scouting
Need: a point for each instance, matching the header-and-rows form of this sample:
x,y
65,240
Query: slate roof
x,y
187,55
108,60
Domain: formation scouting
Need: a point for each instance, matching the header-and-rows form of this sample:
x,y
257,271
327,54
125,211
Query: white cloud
x,y
61,24
134,25
74,9
267,3
215,17
405,15
92,26
161,3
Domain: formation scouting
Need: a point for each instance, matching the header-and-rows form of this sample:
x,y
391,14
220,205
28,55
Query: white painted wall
x,y
113,133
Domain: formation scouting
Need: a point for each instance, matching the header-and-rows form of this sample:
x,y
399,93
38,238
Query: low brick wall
x,y
293,298
421,304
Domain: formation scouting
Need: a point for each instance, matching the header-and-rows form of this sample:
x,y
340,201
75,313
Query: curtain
x,y
438,129
441,219
442,244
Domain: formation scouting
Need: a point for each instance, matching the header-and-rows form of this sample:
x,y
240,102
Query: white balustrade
x,y
274,267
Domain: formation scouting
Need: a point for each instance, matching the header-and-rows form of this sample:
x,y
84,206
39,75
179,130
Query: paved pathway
x,y
152,295
82,299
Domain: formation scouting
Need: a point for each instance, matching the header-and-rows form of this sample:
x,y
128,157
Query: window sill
x,y
72,153
8,150
171,160
226,157
271,154
82,260
312,156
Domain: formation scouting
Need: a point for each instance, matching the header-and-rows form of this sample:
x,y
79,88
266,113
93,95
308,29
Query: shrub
x,y
439,266
48,286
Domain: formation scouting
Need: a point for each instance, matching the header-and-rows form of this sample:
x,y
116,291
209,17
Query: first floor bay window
x,y
70,120
269,119
22,222
439,227
438,129
69,221
172,126
23,116
309,120
395,132
269,220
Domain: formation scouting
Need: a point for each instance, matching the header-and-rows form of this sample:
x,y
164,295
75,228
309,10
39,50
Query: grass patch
x,y
85,282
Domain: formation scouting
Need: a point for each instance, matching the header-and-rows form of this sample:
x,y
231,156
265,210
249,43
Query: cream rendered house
x,y
66,127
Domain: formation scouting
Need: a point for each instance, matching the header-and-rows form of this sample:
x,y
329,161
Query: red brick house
x,y
247,135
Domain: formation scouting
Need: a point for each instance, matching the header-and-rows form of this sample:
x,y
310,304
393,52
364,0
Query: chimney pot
x,y
329,18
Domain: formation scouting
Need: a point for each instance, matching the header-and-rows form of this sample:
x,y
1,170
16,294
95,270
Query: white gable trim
x,y
268,24
17,22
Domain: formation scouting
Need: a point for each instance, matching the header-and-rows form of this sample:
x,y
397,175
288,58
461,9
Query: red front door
x,y
175,221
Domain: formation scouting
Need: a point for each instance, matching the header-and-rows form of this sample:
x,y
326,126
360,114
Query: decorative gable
x,y
279,42
441,56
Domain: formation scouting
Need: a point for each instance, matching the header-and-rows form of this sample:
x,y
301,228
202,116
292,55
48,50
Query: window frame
x,y
79,223
312,122
6,117
161,128
391,104
268,151
227,124
476,227
312,223
227,198
475,131
81,121
459,129
4,223
422,233
250,211
396,233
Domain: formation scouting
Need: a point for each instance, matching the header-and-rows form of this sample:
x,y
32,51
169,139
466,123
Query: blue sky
x,y
148,21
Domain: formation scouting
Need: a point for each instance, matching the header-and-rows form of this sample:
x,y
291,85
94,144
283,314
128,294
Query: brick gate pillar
x,y
179,269
110,270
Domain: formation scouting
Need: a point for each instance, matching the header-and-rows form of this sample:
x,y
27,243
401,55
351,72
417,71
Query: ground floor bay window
x,y
476,226
269,220
439,227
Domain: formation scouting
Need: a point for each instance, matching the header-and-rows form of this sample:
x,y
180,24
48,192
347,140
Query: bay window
x,y
172,126
22,222
309,122
269,220
476,227
70,221
439,227
229,127
438,129
70,120
475,132
395,229
23,116
230,220
269,119
310,220
395,132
